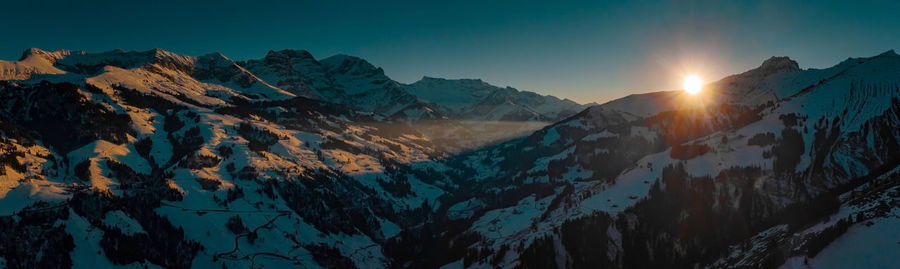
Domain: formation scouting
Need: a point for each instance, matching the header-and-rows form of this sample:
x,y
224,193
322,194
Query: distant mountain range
x,y
471,106
155,159
337,79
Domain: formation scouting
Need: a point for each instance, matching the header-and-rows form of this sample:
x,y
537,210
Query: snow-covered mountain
x,y
146,161
737,182
355,82
338,79
473,99
33,62
484,113
154,159
495,114
777,78
450,111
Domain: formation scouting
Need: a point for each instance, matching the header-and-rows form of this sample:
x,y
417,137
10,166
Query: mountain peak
x,y
90,63
888,53
290,54
168,57
779,63
217,55
161,52
773,65
344,57
343,63
427,78
462,81
291,59
52,56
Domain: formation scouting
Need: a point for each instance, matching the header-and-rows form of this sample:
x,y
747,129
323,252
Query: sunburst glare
x,y
692,84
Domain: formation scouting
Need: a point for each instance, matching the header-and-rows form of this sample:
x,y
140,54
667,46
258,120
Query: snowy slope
x,y
649,191
33,62
149,148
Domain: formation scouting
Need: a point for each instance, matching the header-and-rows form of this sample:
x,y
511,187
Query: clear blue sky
x,y
588,51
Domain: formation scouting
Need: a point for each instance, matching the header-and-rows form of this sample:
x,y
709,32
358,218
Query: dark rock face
x,y
778,64
217,66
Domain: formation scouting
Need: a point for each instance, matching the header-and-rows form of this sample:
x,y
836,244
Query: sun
x,y
692,84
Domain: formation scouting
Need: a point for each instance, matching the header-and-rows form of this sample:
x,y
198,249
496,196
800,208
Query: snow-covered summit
x,y
339,79
92,63
352,65
477,100
356,75
776,64
217,65
48,55
34,61
780,77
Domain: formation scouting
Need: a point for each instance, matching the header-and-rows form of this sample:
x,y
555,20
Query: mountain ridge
x,y
340,79
161,160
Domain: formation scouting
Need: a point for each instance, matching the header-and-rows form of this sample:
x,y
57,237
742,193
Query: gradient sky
x,y
588,51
